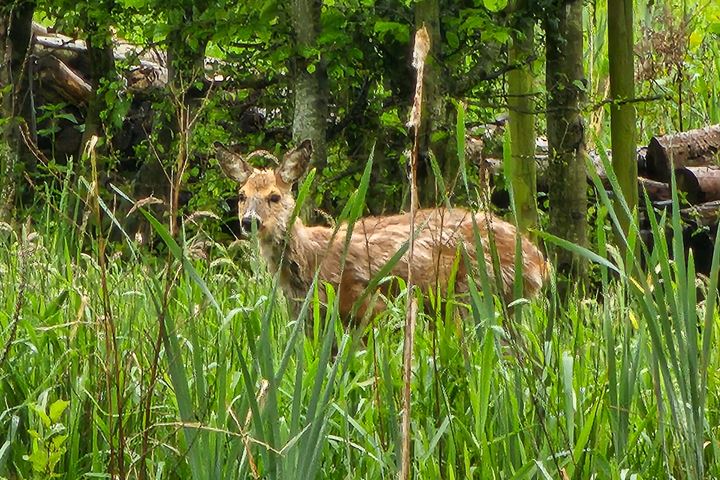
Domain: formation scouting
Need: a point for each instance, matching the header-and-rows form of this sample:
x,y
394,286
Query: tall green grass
x,y
214,379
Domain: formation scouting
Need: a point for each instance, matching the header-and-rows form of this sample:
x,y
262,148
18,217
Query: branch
x,y
478,74
625,101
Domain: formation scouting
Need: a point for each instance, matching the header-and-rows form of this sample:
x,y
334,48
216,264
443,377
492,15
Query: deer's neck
x,y
296,255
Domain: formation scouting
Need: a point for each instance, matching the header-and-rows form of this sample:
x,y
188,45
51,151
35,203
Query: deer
x,y
296,251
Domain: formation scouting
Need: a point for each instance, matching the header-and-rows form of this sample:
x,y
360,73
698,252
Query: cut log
x,y
657,191
147,74
702,215
705,214
693,148
700,184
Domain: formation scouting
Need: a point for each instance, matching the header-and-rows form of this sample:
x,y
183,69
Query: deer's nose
x,y
247,223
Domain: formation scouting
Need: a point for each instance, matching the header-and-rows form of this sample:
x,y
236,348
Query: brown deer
x,y
266,204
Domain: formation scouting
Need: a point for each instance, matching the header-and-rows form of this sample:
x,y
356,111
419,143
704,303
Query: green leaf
x,y
400,31
495,5
453,40
58,442
41,413
579,250
57,408
133,3
38,458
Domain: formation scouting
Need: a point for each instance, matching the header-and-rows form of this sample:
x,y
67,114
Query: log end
x,y
688,184
657,162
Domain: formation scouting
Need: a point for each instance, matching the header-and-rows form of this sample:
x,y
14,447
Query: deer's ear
x,y
294,163
232,164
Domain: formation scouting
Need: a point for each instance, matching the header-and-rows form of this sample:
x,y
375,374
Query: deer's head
x,y
265,198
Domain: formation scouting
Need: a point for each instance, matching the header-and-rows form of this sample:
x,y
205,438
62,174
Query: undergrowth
x,y
189,366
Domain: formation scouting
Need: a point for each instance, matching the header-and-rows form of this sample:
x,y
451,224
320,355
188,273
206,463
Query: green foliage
x,y
49,440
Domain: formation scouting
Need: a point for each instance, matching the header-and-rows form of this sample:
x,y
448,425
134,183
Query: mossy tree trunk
x,y
566,170
437,123
102,72
622,112
310,86
17,102
521,168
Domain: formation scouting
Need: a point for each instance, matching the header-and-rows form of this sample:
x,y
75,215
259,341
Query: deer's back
x,y
440,234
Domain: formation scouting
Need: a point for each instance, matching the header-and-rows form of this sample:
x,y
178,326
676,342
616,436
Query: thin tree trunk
x,y
622,113
567,178
311,87
521,168
102,67
162,174
436,127
17,99
186,67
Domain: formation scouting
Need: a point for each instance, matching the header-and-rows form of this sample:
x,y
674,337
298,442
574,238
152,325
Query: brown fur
x,y
299,251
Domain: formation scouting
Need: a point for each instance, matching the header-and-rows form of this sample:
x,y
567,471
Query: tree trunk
x,y
521,168
17,98
691,148
311,87
102,68
186,67
436,126
622,112
566,143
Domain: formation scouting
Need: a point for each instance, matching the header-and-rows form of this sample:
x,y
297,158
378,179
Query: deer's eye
x,y
274,198
242,197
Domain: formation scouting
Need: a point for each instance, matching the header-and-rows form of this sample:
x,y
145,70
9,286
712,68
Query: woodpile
x,y
61,89
60,84
63,63
694,148
693,156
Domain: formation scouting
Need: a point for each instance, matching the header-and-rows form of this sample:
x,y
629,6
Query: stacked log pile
x,y
60,79
693,156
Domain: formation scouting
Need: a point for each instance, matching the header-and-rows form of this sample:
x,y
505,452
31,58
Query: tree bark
x,y
700,184
102,69
691,148
622,112
521,168
564,83
705,214
17,99
656,191
310,87
436,126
